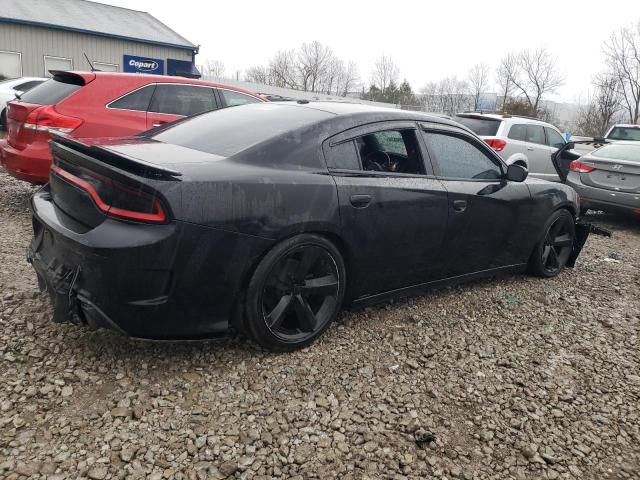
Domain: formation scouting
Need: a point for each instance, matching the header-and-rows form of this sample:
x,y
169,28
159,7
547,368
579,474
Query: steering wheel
x,y
380,161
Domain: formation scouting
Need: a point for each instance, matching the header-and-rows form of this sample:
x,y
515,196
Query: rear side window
x,y
484,127
25,87
535,134
343,156
50,92
518,132
185,100
228,131
136,100
625,133
233,99
554,139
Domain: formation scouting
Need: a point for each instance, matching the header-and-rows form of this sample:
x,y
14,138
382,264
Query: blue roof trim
x,y
96,34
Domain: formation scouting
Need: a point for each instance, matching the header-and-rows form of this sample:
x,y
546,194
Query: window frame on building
x,y
54,57
19,54
97,66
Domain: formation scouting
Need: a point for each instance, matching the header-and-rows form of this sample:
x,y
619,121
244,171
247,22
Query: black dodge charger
x,y
271,217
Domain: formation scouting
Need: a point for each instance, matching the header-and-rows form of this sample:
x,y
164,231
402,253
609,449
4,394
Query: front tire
x,y
551,253
295,293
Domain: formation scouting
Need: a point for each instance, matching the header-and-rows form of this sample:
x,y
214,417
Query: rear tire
x,y
551,253
295,293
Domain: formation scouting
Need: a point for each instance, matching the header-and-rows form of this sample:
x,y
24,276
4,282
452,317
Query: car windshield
x,y
230,130
625,133
486,127
629,153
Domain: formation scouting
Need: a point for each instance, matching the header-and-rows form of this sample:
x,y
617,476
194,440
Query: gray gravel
x,y
515,378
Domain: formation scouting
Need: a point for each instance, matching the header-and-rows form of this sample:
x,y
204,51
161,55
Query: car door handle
x,y
360,201
159,124
531,149
459,205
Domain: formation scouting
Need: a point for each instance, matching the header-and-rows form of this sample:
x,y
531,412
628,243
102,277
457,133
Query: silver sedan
x,y
608,178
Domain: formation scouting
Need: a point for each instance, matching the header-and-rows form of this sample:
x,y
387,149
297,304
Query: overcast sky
x,y
427,40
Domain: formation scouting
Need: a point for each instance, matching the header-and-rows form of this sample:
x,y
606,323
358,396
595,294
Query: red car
x,y
101,104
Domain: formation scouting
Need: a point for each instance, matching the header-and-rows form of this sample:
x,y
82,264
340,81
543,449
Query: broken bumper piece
x,y
583,229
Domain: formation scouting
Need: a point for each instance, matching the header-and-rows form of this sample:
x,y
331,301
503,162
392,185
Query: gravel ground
x,y
515,378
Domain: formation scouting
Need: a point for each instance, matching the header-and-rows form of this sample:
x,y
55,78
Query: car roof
x,y
503,116
374,111
150,78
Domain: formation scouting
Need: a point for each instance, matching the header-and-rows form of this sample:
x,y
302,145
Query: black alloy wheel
x,y
552,253
295,293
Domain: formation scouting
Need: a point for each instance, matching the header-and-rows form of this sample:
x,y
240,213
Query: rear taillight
x,y
46,119
496,143
576,166
114,198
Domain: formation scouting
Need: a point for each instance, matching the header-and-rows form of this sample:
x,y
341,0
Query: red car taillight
x,y
496,143
576,166
123,202
46,119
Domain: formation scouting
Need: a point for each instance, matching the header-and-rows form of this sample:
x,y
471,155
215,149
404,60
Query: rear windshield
x,y
485,127
230,130
630,153
50,92
625,133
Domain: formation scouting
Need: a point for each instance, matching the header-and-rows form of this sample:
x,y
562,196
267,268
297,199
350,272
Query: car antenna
x,y
93,69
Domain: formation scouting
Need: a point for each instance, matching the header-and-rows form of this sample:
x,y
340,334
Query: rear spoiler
x,y
112,159
74,78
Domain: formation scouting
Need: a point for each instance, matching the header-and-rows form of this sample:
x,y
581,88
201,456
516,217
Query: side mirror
x,y
517,173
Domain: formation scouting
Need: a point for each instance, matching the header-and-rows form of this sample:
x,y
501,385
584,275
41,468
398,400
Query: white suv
x,y
522,140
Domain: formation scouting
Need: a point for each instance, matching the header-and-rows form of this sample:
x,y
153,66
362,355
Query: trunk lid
x,y
615,167
90,183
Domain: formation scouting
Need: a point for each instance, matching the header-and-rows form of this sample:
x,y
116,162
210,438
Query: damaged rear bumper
x,y
583,229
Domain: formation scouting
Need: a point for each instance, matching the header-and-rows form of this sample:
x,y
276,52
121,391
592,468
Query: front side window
x,y
137,100
233,99
459,158
554,139
185,100
393,151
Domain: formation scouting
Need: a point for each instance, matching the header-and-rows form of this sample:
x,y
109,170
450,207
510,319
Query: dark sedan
x,y
271,217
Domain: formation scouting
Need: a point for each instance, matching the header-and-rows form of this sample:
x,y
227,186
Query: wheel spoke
x,y
306,317
309,259
545,254
553,257
326,285
277,315
562,240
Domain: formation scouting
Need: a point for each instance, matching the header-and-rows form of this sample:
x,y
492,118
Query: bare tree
x,y
349,79
602,109
478,79
313,61
384,73
257,74
214,68
536,76
506,72
623,58
282,69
